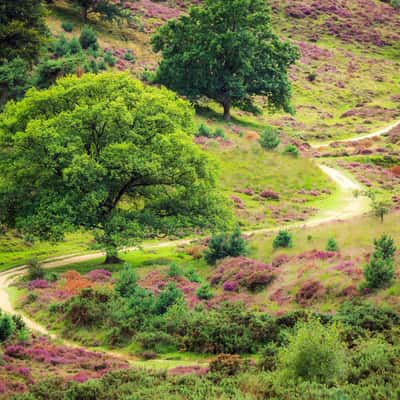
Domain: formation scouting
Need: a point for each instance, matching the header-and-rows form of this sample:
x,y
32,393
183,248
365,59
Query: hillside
x,y
155,250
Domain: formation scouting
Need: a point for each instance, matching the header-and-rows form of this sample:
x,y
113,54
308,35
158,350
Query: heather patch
x,y
40,359
240,273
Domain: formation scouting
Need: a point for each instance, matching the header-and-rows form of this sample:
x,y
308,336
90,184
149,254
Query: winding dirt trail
x,y
349,207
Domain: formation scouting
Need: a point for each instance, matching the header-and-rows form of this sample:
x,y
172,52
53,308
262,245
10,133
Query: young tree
x,y
104,152
269,138
226,50
379,272
23,30
315,353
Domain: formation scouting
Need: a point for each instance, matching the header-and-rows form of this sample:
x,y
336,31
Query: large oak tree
x,y
104,152
226,50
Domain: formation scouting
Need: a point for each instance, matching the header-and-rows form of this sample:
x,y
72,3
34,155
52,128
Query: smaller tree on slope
x,y
226,50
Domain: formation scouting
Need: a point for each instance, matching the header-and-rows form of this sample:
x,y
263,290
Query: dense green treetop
x,y
23,29
226,50
104,152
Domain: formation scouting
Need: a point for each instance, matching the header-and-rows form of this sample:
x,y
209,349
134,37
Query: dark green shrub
x,y
269,138
7,327
88,38
126,284
74,47
332,245
379,272
109,59
269,358
205,131
61,46
204,292
129,56
283,239
367,316
168,297
385,247
225,245
192,275
18,322
67,26
89,308
174,271
291,150
157,341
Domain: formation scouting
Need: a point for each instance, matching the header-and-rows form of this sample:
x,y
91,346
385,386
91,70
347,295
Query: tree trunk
x,y
112,256
85,14
227,110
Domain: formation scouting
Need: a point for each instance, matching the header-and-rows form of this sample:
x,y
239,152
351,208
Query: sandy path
x,y
351,207
380,132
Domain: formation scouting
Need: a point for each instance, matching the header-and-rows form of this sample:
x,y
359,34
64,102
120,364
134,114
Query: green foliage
x,y
205,131
49,70
107,153
174,271
192,275
204,292
283,239
225,245
107,9
291,150
157,341
129,56
35,270
314,353
269,357
74,46
7,327
385,247
167,297
61,46
226,56
379,272
23,31
269,138
367,317
332,245
67,26
88,38
372,356
14,79
89,308
109,59
126,284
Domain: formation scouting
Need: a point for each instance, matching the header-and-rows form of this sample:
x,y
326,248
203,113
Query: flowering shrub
x,y
242,272
38,284
309,291
98,275
269,194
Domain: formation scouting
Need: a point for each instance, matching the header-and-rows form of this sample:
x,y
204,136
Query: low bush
x,y
67,26
315,353
332,245
269,138
7,327
291,150
283,239
88,38
225,245
204,292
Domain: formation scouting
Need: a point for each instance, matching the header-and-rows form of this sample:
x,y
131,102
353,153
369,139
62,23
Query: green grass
x,y
15,251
